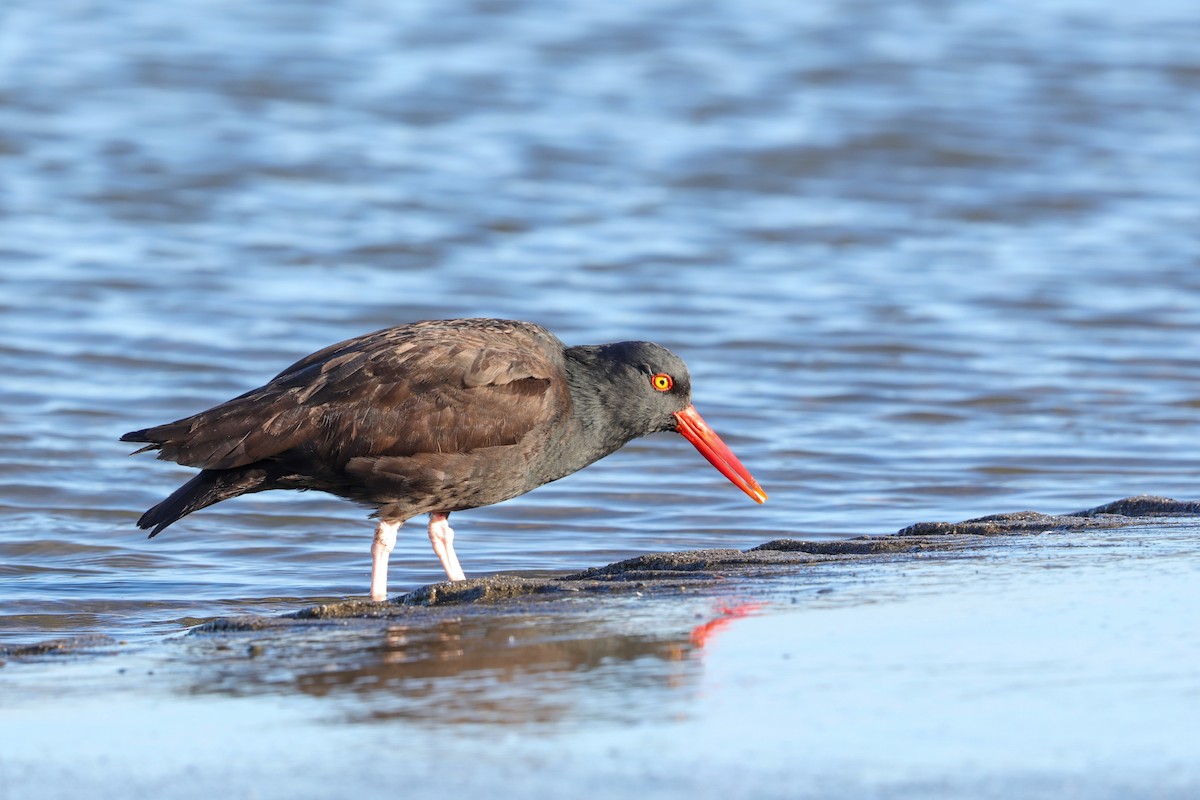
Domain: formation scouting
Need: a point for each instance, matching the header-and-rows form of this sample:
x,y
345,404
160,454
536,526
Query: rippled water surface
x,y
925,260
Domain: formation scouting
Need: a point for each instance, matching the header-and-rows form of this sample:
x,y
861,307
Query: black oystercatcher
x,y
433,417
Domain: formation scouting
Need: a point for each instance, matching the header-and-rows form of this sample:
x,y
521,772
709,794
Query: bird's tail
x,y
208,487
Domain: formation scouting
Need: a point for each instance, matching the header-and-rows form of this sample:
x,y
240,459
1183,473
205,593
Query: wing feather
x,y
438,387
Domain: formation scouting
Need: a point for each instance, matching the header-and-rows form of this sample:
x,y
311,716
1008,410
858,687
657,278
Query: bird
x,y
433,417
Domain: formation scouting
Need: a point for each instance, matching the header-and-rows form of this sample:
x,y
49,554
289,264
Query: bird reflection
x,y
478,668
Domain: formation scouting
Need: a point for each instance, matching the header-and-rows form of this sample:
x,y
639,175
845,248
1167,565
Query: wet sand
x,y
1014,655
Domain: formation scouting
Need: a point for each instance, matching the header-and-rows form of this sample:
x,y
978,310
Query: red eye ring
x,y
662,382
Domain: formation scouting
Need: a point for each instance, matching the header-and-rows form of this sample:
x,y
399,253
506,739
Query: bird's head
x,y
655,395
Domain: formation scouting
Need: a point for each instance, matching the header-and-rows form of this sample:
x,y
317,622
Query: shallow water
x,y
925,262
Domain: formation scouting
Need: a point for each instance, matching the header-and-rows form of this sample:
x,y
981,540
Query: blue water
x,y
925,262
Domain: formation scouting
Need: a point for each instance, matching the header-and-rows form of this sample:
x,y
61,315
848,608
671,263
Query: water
x,y
925,261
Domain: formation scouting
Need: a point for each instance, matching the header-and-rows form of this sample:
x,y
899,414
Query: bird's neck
x,y
598,407
598,422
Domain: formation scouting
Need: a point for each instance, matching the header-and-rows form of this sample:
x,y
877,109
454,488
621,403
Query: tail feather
x,y
208,487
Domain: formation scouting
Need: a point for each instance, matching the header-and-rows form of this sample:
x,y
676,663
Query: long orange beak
x,y
696,430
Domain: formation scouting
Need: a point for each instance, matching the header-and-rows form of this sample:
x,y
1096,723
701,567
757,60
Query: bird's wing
x,y
431,388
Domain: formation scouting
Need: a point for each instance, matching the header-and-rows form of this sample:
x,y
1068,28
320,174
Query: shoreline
x,y
673,574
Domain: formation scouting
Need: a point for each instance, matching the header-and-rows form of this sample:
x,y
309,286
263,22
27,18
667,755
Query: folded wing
x,y
437,387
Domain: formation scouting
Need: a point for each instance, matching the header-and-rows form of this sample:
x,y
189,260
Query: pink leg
x,y
381,548
441,536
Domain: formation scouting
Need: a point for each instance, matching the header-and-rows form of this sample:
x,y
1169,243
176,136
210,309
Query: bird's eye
x,y
662,382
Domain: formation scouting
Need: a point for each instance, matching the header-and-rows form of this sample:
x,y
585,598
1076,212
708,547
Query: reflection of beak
x,y
693,428
701,634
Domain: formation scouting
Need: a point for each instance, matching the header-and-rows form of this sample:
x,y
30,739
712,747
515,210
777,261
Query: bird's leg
x,y
441,536
381,548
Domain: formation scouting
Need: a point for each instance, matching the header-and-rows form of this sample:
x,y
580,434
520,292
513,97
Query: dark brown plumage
x,y
432,417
